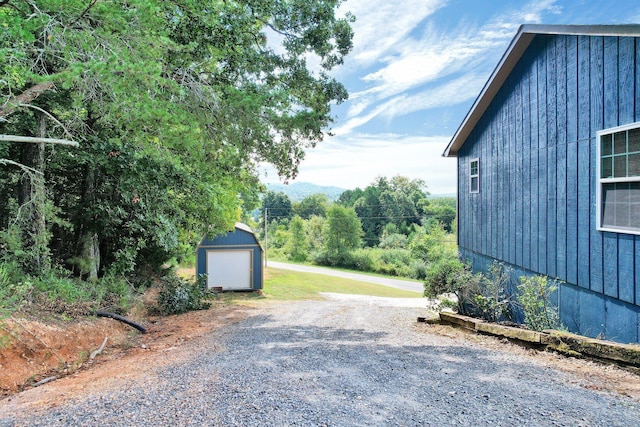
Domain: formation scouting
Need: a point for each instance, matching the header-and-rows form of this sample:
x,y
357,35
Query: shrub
x,y
361,259
534,298
9,292
451,276
418,270
114,293
393,241
493,302
57,285
319,257
178,296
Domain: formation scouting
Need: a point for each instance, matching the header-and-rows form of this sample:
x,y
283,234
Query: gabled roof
x,y
514,52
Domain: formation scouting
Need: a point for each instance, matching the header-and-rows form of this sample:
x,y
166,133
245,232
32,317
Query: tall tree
x,y
400,201
314,204
277,206
174,104
296,246
343,232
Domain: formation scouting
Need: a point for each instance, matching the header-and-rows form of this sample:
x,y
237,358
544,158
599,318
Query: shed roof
x,y
237,226
244,227
514,52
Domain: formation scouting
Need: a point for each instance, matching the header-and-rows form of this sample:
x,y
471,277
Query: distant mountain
x,y
299,190
435,196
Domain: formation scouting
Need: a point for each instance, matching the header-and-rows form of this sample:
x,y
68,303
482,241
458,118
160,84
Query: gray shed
x,y
231,261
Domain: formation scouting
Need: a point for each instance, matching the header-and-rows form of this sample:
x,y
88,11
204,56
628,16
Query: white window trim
x,y
600,181
477,175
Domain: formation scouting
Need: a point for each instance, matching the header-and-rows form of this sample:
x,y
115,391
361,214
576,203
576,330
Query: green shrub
x,y
448,275
493,302
58,286
418,270
178,296
114,293
361,259
393,241
534,298
10,297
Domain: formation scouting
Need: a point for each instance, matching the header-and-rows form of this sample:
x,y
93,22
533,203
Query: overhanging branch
x,y
33,140
21,166
24,98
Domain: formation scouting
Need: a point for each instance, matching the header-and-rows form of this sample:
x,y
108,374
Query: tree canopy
x,y
399,201
173,104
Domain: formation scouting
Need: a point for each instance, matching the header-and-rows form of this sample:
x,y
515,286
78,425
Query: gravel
x,y
341,362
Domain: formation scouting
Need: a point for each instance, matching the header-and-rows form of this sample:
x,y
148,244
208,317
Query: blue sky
x,y
416,68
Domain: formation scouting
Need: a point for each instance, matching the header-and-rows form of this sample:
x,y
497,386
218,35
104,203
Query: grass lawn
x,y
295,285
286,285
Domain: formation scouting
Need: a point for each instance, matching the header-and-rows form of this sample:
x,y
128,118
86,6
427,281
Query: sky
x,y
415,70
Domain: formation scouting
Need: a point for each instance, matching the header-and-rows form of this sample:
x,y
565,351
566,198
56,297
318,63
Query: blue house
x,y
232,261
549,171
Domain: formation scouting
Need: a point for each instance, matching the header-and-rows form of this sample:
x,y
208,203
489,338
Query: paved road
x,y
407,285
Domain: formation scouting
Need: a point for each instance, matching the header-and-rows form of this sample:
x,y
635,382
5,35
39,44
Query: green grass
x,y
294,285
349,270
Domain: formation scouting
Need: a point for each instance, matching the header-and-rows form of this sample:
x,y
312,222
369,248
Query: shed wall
x,y
536,143
236,240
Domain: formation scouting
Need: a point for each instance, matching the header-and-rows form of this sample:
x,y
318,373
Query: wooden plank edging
x,y
562,342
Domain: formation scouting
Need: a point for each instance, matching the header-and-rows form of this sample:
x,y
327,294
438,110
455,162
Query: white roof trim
x,y
510,58
243,226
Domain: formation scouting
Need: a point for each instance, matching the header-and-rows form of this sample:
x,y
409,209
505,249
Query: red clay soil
x,y
32,350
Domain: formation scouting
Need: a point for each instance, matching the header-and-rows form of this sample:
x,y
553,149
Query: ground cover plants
x,y
491,296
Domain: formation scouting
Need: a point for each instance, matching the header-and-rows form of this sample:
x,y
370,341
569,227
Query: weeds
x,y
534,298
493,301
178,296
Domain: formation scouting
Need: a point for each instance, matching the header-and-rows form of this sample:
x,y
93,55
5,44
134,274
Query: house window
x,y
618,191
474,175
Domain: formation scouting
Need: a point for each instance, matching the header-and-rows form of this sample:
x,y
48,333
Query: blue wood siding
x,y
536,207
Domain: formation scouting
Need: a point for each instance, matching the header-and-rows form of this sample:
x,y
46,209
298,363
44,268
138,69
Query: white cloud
x,y
380,24
422,61
356,161
456,91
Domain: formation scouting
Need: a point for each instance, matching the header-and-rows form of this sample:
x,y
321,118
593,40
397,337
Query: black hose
x,y
122,319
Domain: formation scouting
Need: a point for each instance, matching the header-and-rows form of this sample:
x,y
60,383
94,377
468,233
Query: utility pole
x,y
266,242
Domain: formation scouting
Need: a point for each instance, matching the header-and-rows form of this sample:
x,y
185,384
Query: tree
x,y
276,205
343,233
348,198
296,246
443,210
399,201
314,227
174,105
369,210
315,204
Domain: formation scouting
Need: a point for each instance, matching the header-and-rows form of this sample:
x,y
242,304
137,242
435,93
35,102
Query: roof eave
x,y
517,47
508,61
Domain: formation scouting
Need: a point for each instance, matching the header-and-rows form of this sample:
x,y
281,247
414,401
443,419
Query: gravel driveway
x,y
340,362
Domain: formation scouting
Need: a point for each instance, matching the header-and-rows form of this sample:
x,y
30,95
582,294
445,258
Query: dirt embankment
x,y
32,350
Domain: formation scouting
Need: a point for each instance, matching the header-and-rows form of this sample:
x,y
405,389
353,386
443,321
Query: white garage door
x,y
229,269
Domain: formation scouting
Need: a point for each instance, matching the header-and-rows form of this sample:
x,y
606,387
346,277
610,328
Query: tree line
x,y
170,105
392,226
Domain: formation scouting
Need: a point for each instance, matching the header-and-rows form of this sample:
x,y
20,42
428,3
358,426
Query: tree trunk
x,y
88,241
33,199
